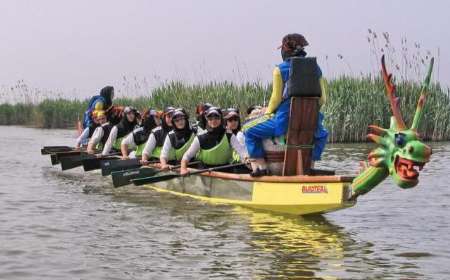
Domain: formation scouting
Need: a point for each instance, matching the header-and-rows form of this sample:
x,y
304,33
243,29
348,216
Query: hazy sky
x,y
83,44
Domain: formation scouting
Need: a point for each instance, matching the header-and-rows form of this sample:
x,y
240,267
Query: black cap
x,y
213,111
169,110
180,112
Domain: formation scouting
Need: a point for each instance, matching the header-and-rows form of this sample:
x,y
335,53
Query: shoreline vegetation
x,y
352,104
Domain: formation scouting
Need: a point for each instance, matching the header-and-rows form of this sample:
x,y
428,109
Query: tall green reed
x,y
352,105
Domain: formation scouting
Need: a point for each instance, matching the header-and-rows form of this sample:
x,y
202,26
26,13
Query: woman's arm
x,y
82,138
127,143
277,91
109,143
190,154
148,148
165,153
95,139
324,89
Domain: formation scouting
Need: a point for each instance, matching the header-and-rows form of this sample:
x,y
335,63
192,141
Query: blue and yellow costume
x,y
276,119
101,102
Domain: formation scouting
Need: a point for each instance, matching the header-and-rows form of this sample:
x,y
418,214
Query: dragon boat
x,y
299,189
297,195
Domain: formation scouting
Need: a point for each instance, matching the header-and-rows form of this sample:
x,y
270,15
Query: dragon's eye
x,y
400,139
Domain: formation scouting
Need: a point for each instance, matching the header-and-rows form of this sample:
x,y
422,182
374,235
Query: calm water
x,y
71,225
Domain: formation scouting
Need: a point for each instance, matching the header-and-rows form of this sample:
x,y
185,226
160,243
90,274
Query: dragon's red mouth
x,y
408,169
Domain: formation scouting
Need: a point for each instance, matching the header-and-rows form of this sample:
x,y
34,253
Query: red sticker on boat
x,y
314,189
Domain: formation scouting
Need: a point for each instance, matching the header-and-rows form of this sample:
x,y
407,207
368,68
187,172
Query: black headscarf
x,y
200,111
213,136
183,133
149,121
167,111
106,93
125,126
299,53
233,113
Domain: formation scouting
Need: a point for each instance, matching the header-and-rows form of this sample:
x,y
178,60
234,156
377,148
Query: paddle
x,y
109,166
55,157
150,180
124,177
94,163
46,150
70,162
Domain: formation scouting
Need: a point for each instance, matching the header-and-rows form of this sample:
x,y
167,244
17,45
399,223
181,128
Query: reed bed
x,y
353,104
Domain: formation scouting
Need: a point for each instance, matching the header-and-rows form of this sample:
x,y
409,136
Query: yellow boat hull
x,y
297,197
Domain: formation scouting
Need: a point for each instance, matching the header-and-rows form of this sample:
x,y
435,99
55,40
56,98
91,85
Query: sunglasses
x,y
178,119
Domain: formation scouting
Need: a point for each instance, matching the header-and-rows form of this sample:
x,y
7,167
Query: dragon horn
x,y
377,130
422,98
393,99
375,138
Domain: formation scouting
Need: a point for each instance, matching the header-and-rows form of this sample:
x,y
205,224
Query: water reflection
x,y
137,233
299,247
225,241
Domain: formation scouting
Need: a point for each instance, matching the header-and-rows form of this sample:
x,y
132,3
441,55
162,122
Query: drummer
x,y
275,121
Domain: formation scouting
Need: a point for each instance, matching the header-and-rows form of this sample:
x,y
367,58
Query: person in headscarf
x,y
126,125
101,133
233,125
137,139
87,133
153,146
178,140
108,94
214,147
275,121
200,110
101,102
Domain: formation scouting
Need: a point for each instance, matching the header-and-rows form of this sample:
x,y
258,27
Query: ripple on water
x,y
414,254
50,229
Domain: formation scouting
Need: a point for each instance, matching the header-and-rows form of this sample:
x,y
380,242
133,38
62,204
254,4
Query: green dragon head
x,y
401,150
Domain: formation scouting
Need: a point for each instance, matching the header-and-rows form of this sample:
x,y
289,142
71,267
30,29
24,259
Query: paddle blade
x,y
94,163
70,162
154,179
124,177
46,150
91,163
109,166
54,159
